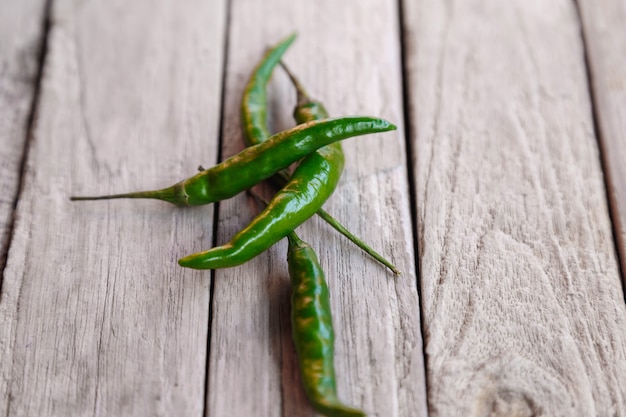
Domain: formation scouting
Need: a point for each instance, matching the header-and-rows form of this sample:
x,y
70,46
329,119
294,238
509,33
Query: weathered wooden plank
x,y
97,317
523,308
603,24
21,38
378,349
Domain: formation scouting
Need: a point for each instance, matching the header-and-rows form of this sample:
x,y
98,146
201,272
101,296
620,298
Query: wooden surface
x,y
604,35
523,307
21,41
492,198
97,317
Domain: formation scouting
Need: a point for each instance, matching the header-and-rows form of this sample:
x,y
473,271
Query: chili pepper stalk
x,y
256,163
308,109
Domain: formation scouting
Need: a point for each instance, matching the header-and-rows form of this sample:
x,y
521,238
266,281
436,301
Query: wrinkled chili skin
x,y
312,330
256,163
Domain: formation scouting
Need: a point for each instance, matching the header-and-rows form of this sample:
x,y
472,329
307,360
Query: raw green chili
x,y
255,131
312,330
312,327
256,163
254,98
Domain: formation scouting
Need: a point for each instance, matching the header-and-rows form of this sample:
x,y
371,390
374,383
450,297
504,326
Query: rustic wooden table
x,y
502,198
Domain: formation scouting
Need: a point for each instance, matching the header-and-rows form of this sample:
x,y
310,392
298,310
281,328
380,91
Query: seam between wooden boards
x,y
30,124
216,209
410,169
616,226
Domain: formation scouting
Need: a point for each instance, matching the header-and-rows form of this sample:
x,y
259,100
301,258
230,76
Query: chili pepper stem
x,y
304,100
174,194
303,96
259,162
328,218
294,240
364,246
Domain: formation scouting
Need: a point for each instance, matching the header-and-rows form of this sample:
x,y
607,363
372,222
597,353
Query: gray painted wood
x,y
97,317
523,307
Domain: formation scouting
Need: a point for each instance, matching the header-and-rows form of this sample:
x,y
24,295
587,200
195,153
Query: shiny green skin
x,y
254,99
297,201
256,163
309,187
312,330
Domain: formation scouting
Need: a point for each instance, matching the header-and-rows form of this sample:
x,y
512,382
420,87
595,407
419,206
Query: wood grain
x,y
523,308
603,23
379,348
21,39
97,317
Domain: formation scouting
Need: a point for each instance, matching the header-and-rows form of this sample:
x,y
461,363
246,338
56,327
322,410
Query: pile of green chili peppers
x,y
315,145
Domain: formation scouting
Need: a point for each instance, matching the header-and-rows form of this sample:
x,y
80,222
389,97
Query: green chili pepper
x,y
255,131
312,330
312,327
254,98
258,162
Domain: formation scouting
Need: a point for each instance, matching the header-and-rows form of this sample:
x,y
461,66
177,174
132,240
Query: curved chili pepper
x,y
312,330
256,163
254,99
312,327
